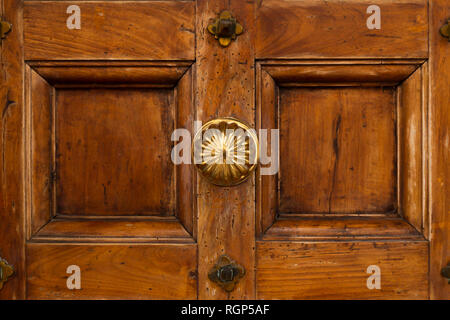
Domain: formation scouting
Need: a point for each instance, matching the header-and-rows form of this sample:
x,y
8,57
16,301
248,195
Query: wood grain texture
x,y
410,131
267,93
340,228
337,270
111,30
113,152
185,173
439,150
64,75
225,87
337,29
354,73
274,77
131,54
12,232
112,271
338,150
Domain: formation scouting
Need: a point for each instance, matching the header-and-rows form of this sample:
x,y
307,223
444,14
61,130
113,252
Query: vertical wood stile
x,y
11,149
225,88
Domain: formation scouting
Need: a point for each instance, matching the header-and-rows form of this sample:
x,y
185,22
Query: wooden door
x,y
93,207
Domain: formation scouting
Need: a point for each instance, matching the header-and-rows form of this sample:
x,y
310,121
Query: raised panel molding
x,y
405,79
47,220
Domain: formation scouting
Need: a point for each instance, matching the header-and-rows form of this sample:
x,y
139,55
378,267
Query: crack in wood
x,y
336,154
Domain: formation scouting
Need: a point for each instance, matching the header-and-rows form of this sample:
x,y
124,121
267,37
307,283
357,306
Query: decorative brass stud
x,y
5,27
445,30
226,273
225,28
6,271
445,272
225,151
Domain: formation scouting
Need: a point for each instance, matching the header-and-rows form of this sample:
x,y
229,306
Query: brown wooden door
x,y
93,206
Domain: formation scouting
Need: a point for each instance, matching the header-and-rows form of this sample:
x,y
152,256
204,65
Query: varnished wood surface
x,y
299,254
225,87
185,173
337,270
439,150
107,77
337,29
115,229
266,118
111,30
309,75
113,152
113,271
338,150
111,74
12,235
40,97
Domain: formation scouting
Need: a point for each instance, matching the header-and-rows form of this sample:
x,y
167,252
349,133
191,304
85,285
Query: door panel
x,y
12,239
348,171
98,156
352,178
439,155
113,271
98,148
358,134
110,30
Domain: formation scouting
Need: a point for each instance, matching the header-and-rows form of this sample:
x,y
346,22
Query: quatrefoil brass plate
x,y
225,151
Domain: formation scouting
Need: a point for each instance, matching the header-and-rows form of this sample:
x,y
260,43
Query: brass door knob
x,y
225,151
226,273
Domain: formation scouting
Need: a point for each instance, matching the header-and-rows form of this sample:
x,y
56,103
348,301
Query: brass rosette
x,y
225,151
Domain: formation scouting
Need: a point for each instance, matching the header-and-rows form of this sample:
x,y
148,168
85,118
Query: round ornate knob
x,y
225,151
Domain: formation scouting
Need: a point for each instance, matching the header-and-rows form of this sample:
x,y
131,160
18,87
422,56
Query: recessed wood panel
x,y
113,151
338,270
147,30
337,150
338,29
113,271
